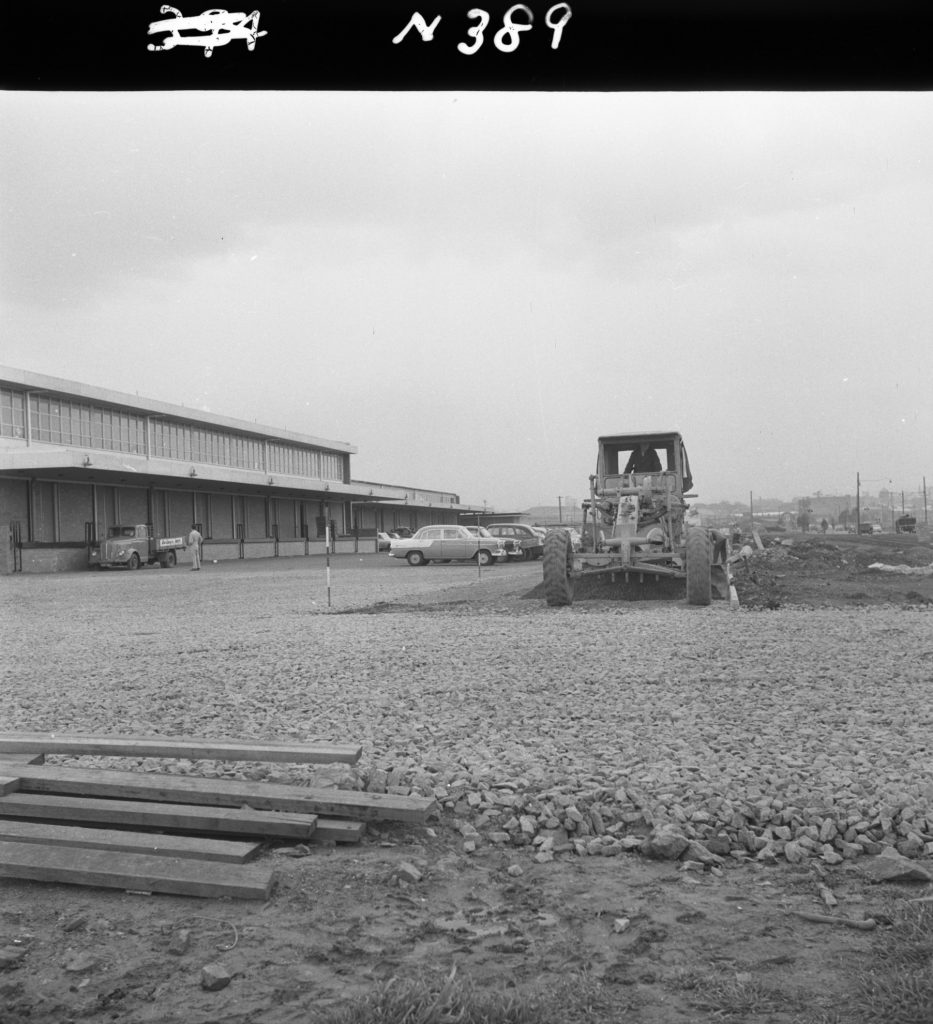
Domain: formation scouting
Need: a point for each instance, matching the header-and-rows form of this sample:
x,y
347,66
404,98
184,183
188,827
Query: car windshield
x,y
121,531
479,531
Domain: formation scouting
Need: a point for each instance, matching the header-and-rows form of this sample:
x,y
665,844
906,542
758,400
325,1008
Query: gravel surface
x,y
795,733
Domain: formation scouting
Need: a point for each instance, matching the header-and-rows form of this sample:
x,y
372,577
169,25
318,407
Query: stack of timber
x,y
170,833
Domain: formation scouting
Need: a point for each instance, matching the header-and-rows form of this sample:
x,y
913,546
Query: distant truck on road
x,y
129,547
906,524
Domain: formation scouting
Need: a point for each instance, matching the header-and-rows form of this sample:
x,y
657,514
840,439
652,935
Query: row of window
x,y
285,458
12,413
199,444
61,421
58,421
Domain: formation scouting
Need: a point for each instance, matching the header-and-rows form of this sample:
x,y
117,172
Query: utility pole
x,y
751,511
858,506
925,521
560,509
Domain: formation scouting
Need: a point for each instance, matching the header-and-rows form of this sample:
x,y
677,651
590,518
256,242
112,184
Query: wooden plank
x,y
192,847
144,814
192,789
179,746
8,785
28,757
77,866
335,830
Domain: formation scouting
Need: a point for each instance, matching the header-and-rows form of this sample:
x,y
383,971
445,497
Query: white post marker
x,y
327,553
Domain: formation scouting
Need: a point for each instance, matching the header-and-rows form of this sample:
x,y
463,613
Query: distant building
x,y
76,459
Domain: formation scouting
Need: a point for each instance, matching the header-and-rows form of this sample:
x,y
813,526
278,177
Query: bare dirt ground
x,y
697,946
666,941
832,570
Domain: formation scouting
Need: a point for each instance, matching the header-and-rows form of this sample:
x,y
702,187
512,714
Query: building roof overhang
x,y
109,467
98,466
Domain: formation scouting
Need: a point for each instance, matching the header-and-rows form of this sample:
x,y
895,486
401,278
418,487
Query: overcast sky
x,y
472,287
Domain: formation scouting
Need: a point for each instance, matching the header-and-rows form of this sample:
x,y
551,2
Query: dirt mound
x,y
818,571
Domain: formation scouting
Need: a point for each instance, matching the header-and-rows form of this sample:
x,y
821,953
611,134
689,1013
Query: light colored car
x,y
530,542
449,544
513,548
384,540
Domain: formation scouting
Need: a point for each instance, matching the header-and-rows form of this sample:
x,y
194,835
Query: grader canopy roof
x,y
625,453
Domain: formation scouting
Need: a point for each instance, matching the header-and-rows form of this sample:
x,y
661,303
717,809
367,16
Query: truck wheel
x,y
170,560
415,558
699,575
558,568
134,562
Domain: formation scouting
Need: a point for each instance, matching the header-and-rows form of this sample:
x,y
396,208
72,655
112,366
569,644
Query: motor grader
x,y
637,524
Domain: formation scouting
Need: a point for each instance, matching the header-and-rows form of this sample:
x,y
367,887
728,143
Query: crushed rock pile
x,y
696,733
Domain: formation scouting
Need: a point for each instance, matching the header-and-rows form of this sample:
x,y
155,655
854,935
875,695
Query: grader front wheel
x,y
699,573
558,568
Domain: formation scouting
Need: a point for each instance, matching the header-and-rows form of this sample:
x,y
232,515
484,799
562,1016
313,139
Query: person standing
x,y
194,546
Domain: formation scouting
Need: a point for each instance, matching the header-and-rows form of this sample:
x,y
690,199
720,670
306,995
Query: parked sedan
x,y
448,544
530,544
513,548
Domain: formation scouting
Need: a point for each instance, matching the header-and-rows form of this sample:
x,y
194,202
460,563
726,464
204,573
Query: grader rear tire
x,y
699,574
558,568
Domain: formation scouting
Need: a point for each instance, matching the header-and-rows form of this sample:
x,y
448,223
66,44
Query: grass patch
x,y
446,999
737,997
897,987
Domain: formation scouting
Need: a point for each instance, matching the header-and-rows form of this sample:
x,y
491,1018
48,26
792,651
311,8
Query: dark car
x,y
529,540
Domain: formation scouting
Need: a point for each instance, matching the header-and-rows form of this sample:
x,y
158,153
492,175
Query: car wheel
x,y
484,557
416,558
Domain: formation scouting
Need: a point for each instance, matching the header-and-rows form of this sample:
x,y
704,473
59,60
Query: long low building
x,y
76,460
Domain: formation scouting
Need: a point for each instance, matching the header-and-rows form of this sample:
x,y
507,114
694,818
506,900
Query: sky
x,y
472,287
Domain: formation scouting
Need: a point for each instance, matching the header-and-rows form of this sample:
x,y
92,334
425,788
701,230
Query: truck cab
x,y
130,547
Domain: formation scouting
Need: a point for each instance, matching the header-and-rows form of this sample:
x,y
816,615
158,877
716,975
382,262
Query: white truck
x,y
129,547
